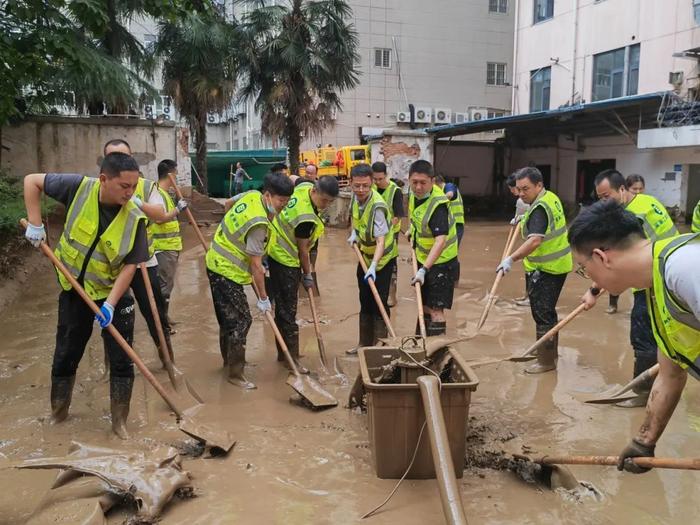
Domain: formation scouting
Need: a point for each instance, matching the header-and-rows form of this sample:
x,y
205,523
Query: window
x,y
696,11
382,57
493,113
149,42
500,6
540,82
544,10
616,73
495,74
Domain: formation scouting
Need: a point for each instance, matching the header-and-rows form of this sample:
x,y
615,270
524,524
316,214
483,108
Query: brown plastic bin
x,y
395,414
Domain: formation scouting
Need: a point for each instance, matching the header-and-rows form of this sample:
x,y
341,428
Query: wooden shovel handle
x,y
190,217
375,293
645,462
497,281
110,328
561,324
317,327
419,296
512,233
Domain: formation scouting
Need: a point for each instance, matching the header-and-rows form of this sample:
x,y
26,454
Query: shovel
x,y
510,236
375,293
217,440
309,389
419,297
177,378
619,395
612,461
317,327
499,275
190,217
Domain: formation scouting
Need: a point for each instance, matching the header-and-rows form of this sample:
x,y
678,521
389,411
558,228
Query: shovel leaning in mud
x,y
375,293
190,217
217,440
177,378
317,328
625,392
419,297
309,389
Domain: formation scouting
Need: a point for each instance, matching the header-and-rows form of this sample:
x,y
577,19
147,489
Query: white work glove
x,y
419,277
181,205
371,272
353,238
516,220
35,234
137,201
505,266
106,315
264,305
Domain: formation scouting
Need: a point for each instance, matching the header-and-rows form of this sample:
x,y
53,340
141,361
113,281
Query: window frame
x,y
501,7
628,88
533,75
548,11
498,67
385,58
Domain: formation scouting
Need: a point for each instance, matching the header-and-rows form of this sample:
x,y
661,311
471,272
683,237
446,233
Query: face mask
x,y
270,207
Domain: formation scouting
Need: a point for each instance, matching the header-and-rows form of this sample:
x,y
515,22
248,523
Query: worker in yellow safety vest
x,y
234,259
103,240
393,196
371,231
657,225
294,233
546,256
695,227
610,246
433,235
453,194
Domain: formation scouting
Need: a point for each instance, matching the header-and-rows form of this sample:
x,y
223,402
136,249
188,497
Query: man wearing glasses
x,y
546,255
609,244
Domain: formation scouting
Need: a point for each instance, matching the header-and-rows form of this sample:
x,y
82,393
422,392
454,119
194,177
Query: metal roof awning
x,y
693,53
623,115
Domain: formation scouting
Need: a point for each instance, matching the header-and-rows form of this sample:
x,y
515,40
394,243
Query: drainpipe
x,y
514,80
573,67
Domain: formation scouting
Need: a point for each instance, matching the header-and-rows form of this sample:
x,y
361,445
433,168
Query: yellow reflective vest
x,y
457,208
695,228
388,197
420,229
79,233
226,255
656,221
283,245
166,236
143,191
554,254
363,224
676,329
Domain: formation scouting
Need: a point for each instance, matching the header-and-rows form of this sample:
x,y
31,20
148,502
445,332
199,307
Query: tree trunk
x,y
200,144
293,136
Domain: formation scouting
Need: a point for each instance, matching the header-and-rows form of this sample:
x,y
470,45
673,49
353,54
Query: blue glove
x,y
371,272
264,305
419,277
505,266
307,281
181,205
35,234
106,315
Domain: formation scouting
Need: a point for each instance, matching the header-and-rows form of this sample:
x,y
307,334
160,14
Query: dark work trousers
x,y
543,289
141,296
641,335
284,281
367,303
439,286
75,321
231,308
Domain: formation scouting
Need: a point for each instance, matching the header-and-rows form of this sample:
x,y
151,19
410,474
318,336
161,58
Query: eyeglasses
x,y
581,270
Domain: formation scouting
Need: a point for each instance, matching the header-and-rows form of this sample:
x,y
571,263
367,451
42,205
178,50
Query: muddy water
x,y
293,466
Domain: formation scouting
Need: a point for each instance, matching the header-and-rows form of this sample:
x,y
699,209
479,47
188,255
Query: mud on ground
x,y
294,466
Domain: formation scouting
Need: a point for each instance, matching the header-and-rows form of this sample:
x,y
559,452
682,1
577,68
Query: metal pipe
x,y
440,447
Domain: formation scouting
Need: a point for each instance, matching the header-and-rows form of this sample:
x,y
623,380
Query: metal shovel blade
x,y
311,391
607,399
521,358
220,442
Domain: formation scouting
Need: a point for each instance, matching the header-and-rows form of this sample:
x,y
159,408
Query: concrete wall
x,y
582,28
398,149
471,164
74,145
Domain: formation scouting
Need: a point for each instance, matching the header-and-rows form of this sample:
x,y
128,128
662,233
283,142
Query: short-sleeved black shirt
x,y
397,203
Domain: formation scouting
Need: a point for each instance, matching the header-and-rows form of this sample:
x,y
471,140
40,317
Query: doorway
x,y
586,170
546,171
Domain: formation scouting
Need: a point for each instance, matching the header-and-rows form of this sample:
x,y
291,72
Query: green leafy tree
x,y
199,72
296,59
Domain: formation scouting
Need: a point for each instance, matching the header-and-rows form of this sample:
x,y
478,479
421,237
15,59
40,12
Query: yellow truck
x,y
334,161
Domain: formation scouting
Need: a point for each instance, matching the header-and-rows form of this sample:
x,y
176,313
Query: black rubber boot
x,y
61,395
436,328
612,305
380,331
120,398
223,347
366,333
392,288
547,355
236,367
427,319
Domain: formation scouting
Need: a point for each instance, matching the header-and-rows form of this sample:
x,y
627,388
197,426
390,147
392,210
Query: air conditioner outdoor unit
x,y
213,118
675,78
148,111
403,116
424,115
443,115
476,114
461,118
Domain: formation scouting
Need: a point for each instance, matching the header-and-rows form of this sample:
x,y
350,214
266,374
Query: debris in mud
x,y
192,449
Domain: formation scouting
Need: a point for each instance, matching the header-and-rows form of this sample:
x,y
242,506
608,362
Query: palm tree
x,y
199,72
295,60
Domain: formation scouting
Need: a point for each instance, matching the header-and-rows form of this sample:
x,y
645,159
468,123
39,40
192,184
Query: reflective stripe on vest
x,y
695,227
676,329
363,224
457,208
143,191
226,255
420,227
388,196
80,230
166,236
553,255
283,246
656,221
